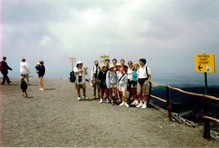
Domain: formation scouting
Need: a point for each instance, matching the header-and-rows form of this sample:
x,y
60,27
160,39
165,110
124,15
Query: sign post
x,y
103,57
72,60
205,63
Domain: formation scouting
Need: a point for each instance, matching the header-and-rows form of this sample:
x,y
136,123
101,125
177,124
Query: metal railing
x,y
205,98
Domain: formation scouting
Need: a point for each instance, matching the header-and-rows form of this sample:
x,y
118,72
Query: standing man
x,y
122,63
4,71
24,70
94,73
107,63
143,78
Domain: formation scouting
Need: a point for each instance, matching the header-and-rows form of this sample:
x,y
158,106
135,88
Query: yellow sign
x,y
104,56
205,63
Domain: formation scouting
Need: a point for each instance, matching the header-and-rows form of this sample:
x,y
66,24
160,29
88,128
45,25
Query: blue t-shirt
x,y
134,75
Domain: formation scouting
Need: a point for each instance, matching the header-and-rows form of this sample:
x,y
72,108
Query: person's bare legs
x,y
26,94
41,83
78,91
84,92
27,80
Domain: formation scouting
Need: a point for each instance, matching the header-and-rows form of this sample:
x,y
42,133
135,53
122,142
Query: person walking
x,y
134,84
24,70
102,83
111,81
94,73
41,73
4,71
23,87
144,77
80,73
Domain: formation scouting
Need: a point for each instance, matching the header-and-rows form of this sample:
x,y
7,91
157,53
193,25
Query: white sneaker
x,y
79,98
123,103
107,100
134,102
144,106
139,105
126,105
101,101
85,97
112,101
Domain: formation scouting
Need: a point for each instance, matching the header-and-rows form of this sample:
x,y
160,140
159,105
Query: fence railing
x,y
206,118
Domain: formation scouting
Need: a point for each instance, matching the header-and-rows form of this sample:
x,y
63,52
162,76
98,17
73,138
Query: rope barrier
x,y
211,118
158,98
186,92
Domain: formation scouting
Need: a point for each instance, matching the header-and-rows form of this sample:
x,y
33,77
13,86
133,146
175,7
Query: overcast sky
x,y
168,33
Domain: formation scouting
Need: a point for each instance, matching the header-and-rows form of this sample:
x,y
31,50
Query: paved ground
x,y
54,117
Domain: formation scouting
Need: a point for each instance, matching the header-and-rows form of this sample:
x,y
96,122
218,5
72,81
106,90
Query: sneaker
x,y
79,98
126,104
123,103
144,106
107,100
134,102
85,97
94,97
139,105
41,89
101,101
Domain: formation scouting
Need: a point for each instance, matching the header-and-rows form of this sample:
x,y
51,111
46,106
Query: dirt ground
x,y
54,118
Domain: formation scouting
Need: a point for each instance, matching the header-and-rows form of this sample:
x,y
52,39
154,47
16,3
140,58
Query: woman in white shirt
x,y
129,73
24,70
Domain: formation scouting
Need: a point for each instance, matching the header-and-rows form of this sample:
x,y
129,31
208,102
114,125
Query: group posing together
x,y
114,80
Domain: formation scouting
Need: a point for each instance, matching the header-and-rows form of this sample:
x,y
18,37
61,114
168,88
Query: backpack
x,y
72,77
0,66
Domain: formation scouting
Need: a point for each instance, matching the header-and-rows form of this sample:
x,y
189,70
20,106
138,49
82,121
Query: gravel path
x,y
54,117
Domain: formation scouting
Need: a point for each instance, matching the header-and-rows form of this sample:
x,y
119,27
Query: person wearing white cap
x,y
102,83
80,73
111,81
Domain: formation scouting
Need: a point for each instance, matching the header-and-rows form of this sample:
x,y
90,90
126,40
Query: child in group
x,y
102,83
134,84
122,82
23,87
111,81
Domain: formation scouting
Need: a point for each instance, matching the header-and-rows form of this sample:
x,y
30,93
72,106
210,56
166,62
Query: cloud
x,y
168,33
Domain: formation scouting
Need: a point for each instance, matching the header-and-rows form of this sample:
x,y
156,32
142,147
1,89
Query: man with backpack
x,y
143,78
4,70
94,73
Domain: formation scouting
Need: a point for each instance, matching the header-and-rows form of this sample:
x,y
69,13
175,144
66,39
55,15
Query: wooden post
x,y
72,60
206,133
149,96
168,103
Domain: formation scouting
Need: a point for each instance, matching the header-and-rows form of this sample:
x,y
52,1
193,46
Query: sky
x,y
168,33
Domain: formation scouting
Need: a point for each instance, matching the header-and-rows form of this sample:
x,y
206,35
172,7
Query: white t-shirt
x,y
82,74
142,72
129,72
24,68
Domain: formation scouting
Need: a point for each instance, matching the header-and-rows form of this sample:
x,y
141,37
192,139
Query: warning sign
x,y
205,63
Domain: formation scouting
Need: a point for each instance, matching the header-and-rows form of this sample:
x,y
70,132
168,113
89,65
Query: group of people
x,y
24,72
114,80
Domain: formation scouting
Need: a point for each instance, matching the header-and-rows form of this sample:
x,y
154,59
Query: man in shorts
x,y
24,70
143,78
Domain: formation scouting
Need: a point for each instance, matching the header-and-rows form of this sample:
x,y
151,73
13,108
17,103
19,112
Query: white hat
x,y
112,66
103,66
79,62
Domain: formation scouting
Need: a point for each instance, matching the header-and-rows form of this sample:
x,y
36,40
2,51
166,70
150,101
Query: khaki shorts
x,y
143,89
25,76
113,86
78,86
122,88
